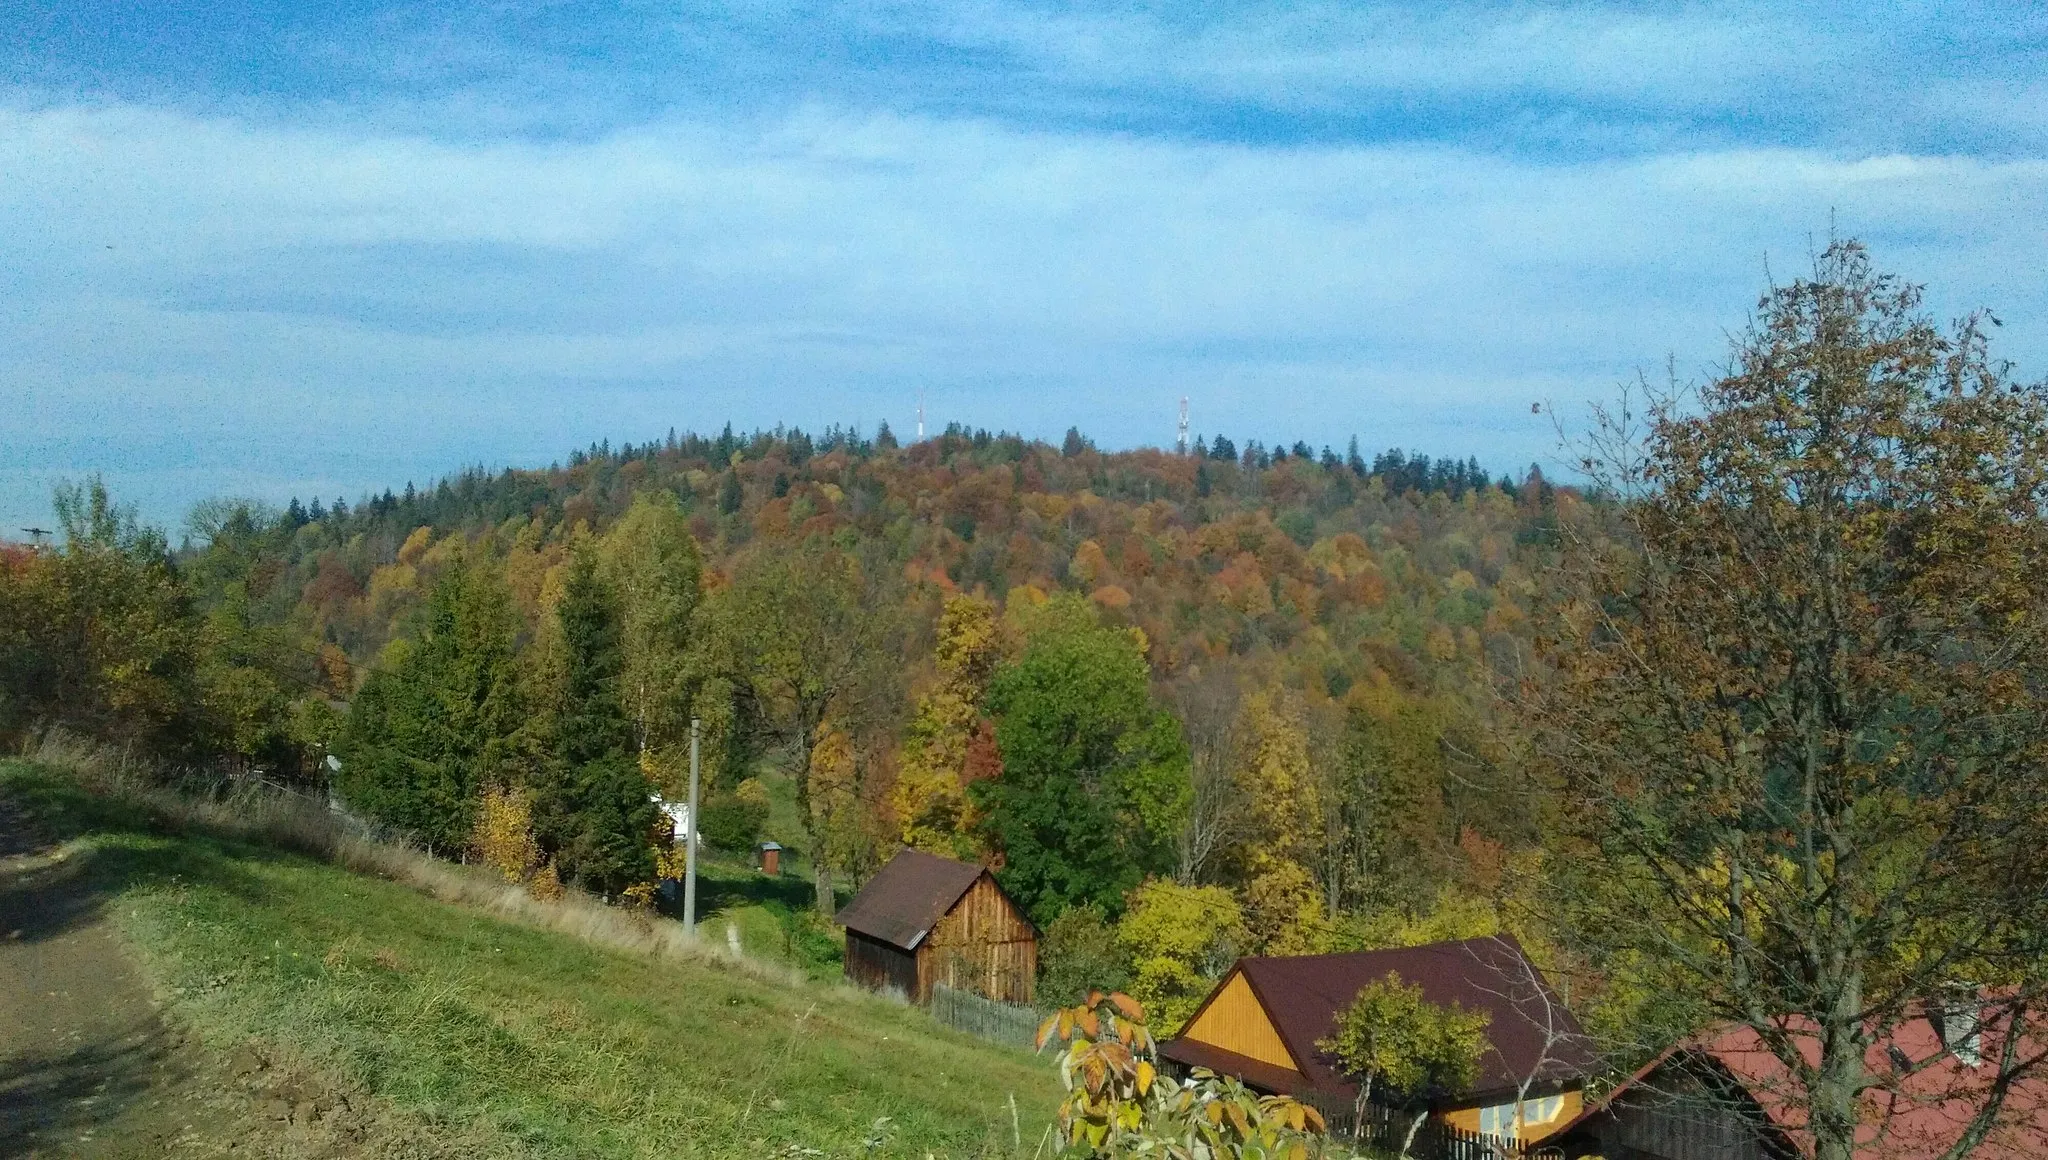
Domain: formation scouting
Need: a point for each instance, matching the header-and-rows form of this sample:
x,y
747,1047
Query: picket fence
x,y
1382,1129
985,1018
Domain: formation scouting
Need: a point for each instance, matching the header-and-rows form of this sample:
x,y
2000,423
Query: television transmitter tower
x,y
920,416
1182,441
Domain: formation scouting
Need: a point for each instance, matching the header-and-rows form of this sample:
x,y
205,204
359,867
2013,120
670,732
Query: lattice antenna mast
x,y
1182,441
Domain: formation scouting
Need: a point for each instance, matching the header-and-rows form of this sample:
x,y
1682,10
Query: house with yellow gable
x,y
1263,1020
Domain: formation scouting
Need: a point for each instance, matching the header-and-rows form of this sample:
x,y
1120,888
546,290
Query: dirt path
x,y
90,1067
81,1043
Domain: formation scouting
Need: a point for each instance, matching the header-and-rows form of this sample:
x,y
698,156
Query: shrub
x,y
733,821
1079,954
547,884
808,939
503,836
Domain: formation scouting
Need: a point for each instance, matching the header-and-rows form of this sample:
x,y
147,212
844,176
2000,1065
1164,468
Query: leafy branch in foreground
x,y
1118,1104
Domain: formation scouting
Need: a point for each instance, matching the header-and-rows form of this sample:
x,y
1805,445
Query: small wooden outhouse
x,y
768,856
924,920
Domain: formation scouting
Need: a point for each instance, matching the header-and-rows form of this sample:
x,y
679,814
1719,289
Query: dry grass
x,y
250,811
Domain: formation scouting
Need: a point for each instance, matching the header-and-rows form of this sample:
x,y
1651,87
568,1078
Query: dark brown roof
x,y
1259,1074
1304,993
906,898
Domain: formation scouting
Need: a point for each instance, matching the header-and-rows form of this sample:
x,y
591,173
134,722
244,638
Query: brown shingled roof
x,y
1303,994
1259,1074
906,898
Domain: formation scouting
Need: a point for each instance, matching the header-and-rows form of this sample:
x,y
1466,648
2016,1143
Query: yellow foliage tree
x,y
836,817
1284,908
1180,939
503,835
1276,779
930,797
1090,564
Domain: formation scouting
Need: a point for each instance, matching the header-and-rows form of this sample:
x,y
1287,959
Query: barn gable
x,y
983,944
1264,1021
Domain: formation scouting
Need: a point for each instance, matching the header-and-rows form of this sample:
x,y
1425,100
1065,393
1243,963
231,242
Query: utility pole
x,y
690,849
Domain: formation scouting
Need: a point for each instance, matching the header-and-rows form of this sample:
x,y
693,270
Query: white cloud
x,y
1323,55
195,286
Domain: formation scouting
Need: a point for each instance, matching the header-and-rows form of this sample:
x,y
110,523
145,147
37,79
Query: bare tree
x,y
1208,704
1564,1050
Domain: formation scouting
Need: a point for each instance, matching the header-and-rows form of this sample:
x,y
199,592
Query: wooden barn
x,y
925,920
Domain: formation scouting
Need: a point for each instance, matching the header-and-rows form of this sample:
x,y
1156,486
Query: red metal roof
x,y
1916,1115
906,898
1303,994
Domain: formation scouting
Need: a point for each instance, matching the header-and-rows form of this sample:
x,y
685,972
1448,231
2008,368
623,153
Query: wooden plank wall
x,y
984,945
878,966
1235,1021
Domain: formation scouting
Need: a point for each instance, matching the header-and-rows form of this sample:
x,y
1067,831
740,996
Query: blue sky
x,y
282,248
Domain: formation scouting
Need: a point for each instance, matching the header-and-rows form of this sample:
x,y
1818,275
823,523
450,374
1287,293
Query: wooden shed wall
x,y
1681,1118
984,944
875,964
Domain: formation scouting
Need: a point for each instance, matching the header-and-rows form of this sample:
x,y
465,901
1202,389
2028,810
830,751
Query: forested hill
x,y
1194,706
1337,568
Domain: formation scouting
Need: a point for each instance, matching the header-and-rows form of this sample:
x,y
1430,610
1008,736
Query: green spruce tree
x,y
424,737
592,810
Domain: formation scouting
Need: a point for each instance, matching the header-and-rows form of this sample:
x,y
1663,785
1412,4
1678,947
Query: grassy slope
x,y
772,916
535,1041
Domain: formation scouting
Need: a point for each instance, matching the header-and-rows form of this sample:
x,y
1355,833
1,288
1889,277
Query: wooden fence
x,y
1382,1129
985,1018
